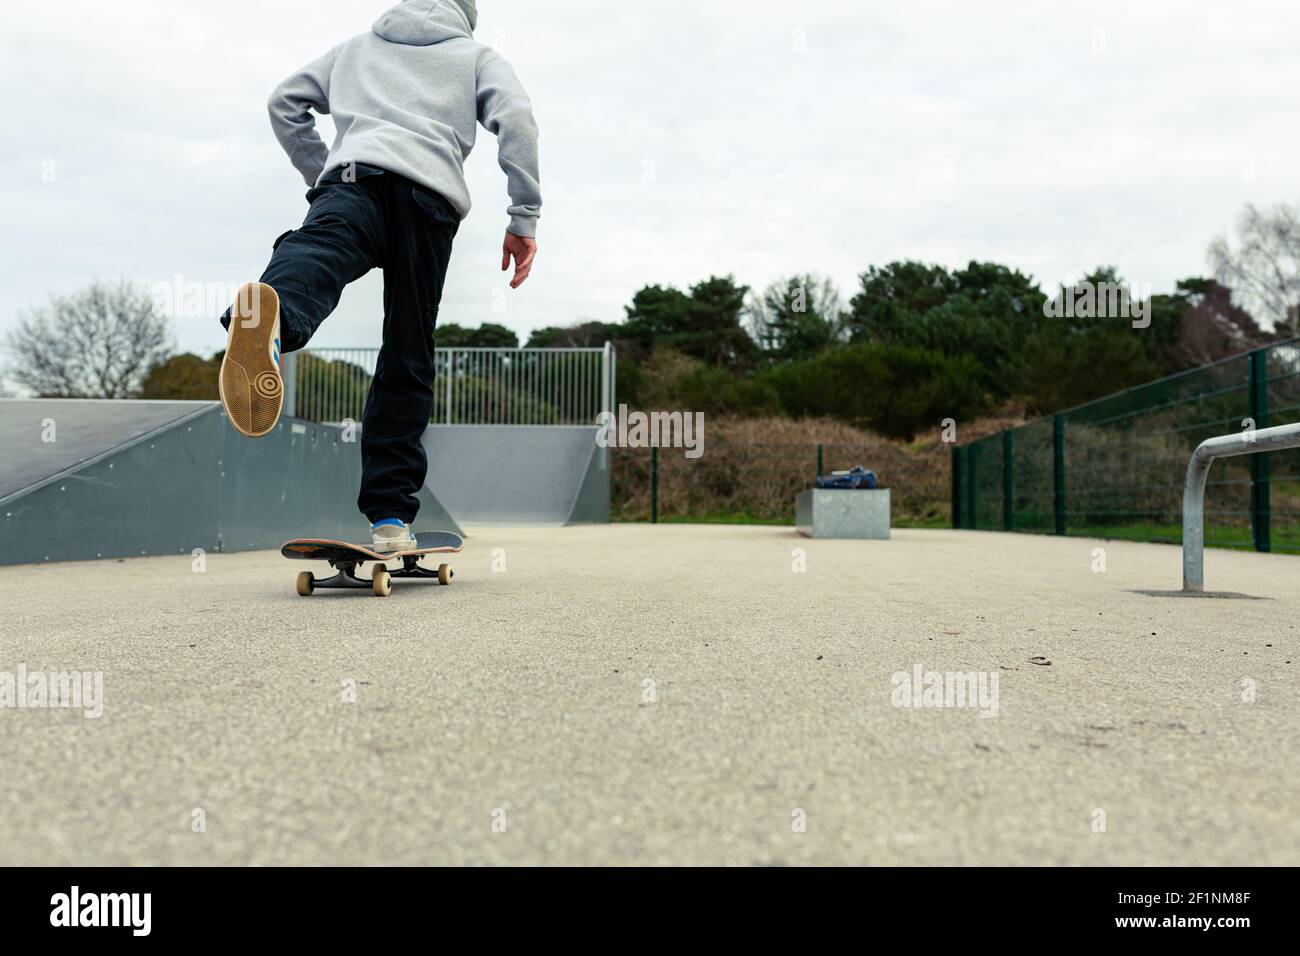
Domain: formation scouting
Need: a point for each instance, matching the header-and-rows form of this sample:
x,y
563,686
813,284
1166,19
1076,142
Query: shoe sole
x,y
250,384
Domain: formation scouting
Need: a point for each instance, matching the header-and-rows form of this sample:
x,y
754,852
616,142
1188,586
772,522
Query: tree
x,y
797,317
96,343
705,324
1208,326
984,312
656,312
588,334
489,335
1092,348
1263,272
184,377
715,333
894,299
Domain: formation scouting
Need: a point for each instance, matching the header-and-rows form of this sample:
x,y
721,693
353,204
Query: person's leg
x,y
341,239
419,229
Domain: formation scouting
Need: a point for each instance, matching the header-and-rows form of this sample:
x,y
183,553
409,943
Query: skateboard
x,y
345,558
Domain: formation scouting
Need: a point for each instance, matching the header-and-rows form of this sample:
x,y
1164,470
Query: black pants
x,y
366,219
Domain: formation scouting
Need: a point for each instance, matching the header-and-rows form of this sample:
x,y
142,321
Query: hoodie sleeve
x,y
506,112
290,106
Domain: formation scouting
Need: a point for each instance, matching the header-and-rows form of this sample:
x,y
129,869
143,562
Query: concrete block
x,y
843,513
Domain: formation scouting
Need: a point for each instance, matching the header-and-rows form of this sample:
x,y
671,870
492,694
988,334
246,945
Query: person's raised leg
x,y
420,227
341,239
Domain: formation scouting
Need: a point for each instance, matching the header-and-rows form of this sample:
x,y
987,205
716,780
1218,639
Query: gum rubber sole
x,y
250,384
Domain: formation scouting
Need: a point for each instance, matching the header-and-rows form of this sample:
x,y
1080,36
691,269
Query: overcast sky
x,y
678,140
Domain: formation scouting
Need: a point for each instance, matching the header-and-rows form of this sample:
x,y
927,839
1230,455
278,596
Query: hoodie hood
x,y
426,22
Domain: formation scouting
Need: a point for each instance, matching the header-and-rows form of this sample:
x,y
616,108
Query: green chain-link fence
x,y
1114,467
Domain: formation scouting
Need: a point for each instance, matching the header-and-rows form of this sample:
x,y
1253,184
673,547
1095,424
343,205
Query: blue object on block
x,y
856,477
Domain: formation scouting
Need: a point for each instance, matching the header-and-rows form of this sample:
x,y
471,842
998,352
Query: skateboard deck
x,y
345,558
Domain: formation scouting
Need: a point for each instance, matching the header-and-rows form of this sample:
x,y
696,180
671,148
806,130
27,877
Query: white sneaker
x,y
386,538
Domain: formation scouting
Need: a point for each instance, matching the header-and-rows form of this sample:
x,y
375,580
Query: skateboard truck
x,y
411,568
345,577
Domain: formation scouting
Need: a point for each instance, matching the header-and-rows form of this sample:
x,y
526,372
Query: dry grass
x,y
752,468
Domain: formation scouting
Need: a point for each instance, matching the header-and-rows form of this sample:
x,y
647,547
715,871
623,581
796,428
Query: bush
x,y
716,392
895,390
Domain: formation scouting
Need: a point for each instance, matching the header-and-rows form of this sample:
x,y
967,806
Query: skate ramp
x,y
43,438
518,474
133,478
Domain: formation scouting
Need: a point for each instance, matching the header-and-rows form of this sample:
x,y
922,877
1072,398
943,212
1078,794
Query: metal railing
x,y
472,386
1198,470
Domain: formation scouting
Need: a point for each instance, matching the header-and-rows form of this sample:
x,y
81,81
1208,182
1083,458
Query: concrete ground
x,y
633,694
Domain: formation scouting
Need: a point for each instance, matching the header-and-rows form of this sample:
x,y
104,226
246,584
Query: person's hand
x,y
522,249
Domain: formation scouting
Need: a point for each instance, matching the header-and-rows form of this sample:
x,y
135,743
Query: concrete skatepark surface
x,y
520,697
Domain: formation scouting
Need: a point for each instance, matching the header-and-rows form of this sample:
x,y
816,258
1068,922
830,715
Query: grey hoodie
x,y
405,98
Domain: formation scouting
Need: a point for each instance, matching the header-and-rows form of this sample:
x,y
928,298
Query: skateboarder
x,y
390,193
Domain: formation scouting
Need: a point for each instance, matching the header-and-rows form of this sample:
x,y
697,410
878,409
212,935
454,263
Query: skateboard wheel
x,y
380,582
445,574
306,583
